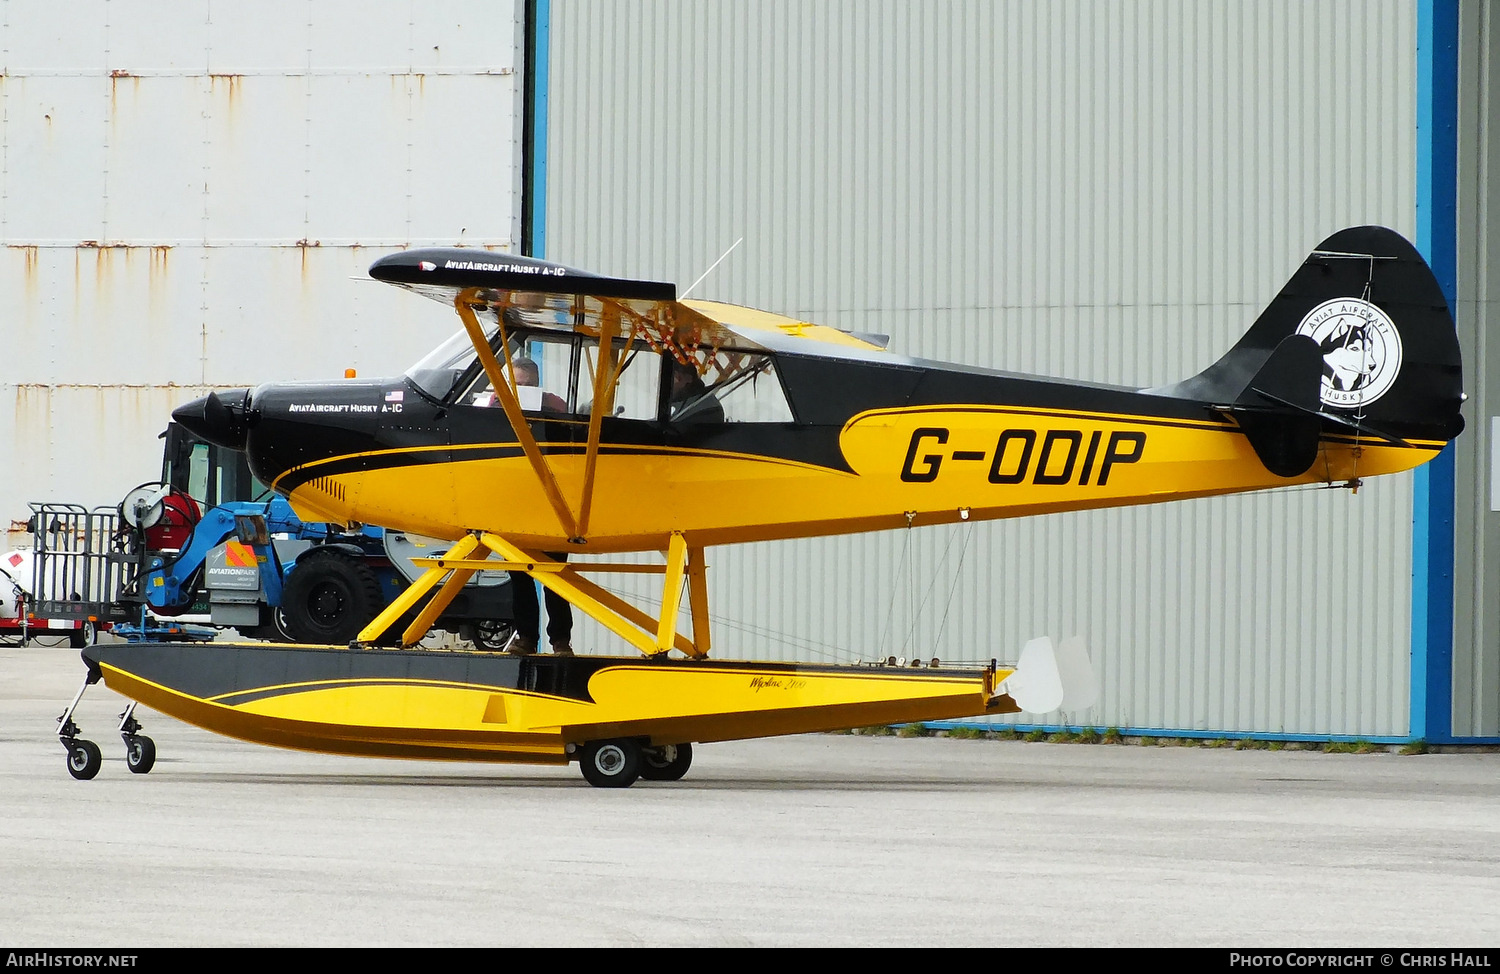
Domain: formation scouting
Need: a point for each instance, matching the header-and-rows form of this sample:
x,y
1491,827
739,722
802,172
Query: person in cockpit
x,y
689,400
528,390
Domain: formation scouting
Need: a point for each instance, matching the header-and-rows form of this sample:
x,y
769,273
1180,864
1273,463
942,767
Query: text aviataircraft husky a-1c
x,y
673,426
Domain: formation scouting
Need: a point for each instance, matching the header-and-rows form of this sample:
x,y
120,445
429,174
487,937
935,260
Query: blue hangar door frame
x,y
1433,495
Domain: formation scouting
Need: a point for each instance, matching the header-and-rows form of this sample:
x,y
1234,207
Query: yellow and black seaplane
x,y
673,426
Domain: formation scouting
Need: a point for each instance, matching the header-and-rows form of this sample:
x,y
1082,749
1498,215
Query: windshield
x,y
441,369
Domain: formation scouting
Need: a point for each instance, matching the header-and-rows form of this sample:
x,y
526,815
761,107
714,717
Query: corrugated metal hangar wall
x,y
187,188
1107,192
1476,644
1103,191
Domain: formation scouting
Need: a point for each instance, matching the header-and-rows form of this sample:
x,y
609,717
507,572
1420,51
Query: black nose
x,y
222,418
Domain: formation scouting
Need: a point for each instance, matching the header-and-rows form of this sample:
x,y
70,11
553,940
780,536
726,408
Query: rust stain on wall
x,y
34,418
103,267
401,84
29,255
303,246
156,282
115,77
231,86
29,273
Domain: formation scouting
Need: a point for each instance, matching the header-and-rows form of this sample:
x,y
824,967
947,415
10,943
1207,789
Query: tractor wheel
x,y
328,598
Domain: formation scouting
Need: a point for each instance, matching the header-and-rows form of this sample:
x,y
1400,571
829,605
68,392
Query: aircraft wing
x,y
434,271
540,294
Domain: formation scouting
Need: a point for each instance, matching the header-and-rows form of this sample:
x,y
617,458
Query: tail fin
x,y
1359,340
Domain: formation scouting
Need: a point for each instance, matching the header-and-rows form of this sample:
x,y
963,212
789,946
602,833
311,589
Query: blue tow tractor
x,y
210,548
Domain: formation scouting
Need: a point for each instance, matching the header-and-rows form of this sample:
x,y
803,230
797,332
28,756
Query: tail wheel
x,y
84,759
669,762
328,598
611,764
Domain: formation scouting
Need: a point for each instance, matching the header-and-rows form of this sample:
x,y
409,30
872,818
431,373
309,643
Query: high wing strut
x,y
505,392
606,374
606,378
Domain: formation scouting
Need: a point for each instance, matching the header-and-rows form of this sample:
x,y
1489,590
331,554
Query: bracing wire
x,y
832,651
942,560
891,608
957,574
814,646
1359,415
911,596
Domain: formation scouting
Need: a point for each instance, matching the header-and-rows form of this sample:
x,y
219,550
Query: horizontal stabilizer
x,y
1290,377
1281,412
1351,423
1279,408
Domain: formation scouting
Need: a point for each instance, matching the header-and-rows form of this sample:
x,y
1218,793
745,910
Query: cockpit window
x,y
556,373
543,365
736,387
713,386
637,380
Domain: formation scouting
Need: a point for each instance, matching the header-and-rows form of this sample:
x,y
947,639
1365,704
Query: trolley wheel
x,y
140,753
666,763
85,635
611,764
84,759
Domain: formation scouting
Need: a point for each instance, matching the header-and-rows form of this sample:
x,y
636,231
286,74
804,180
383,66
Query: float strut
x,y
67,730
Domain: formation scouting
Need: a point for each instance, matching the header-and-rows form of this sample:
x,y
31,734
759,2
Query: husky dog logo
x,y
1361,351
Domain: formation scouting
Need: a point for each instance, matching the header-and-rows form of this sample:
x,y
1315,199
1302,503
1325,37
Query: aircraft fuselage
x,y
869,443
